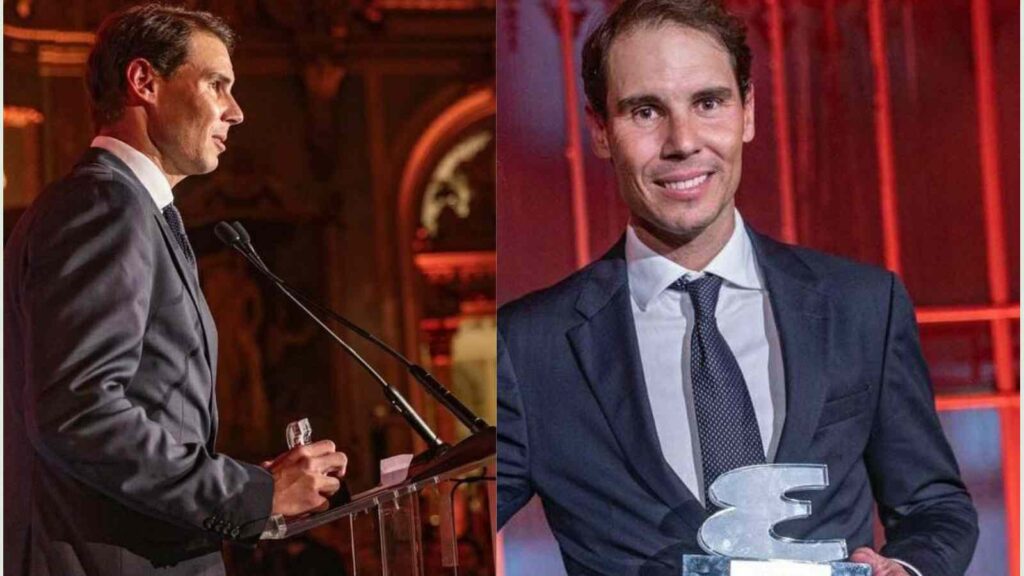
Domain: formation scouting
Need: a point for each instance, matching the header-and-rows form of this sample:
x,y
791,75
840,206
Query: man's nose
x,y
682,139
233,114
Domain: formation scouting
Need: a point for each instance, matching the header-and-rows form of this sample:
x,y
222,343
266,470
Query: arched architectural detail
x,y
424,154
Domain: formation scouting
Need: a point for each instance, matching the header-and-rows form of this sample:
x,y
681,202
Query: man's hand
x,y
305,476
880,565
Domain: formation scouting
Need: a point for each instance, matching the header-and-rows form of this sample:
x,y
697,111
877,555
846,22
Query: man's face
x,y
675,130
195,108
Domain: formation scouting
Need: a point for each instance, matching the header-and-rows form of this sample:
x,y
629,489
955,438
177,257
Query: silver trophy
x,y
740,539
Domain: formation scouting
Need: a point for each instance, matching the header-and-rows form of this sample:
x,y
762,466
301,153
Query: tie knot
x,y
177,226
172,215
703,291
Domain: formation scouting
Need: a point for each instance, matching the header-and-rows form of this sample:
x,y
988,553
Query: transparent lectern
x,y
382,528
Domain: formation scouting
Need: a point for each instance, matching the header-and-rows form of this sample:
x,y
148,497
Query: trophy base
x,y
694,565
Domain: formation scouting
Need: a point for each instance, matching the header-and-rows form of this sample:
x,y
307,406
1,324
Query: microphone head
x,y
227,234
243,234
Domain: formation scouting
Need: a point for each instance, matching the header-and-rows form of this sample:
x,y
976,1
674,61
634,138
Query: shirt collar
x,y
143,167
651,273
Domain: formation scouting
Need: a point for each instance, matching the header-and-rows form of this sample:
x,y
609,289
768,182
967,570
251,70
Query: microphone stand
x,y
461,412
436,446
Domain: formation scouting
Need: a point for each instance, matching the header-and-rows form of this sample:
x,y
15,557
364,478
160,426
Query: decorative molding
x,y
457,117
48,36
317,19
463,267
457,283
449,186
20,117
453,278
439,333
64,55
434,5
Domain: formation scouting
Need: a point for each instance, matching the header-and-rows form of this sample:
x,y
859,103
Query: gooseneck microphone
x,y
236,237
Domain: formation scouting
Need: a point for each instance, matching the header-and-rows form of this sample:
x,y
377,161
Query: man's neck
x,y
144,145
693,253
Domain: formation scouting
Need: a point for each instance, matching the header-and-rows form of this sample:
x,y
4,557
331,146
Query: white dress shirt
x,y
145,169
664,325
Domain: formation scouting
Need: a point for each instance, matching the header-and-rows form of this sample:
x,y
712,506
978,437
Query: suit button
x,y
235,532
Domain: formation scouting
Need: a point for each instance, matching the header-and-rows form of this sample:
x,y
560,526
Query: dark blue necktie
x,y
726,424
177,226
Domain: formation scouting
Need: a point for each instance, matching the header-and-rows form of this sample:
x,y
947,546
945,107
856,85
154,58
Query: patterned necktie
x,y
726,424
174,222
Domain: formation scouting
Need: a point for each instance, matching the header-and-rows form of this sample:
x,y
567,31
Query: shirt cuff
x,y
910,568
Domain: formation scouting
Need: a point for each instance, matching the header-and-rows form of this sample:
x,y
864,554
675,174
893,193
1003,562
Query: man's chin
x,y
678,230
207,165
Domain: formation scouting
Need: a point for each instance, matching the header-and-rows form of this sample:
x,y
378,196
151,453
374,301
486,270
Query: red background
x,y
826,125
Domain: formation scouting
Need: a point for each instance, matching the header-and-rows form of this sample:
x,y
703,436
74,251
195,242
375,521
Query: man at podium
x,y
110,413
697,345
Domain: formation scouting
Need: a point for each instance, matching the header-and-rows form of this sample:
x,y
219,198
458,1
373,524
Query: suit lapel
x,y
801,317
183,267
608,353
210,328
192,286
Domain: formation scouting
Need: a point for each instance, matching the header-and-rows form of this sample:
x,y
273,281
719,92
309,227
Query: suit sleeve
x,y
85,304
514,486
928,516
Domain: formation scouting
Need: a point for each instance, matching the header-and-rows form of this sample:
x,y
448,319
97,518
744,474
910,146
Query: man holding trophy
x,y
703,389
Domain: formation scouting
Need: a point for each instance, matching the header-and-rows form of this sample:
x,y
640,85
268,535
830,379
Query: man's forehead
x,y
208,55
668,53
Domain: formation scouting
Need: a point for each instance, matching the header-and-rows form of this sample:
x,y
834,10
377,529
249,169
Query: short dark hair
x,y
708,16
156,32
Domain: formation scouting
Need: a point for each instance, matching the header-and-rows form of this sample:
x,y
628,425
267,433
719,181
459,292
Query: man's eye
x,y
216,84
645,114
709,104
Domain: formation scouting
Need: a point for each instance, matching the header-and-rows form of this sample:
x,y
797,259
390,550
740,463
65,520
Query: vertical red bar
x,y
805,161
574,148
883,137
998,283
499,555
995,237
780,105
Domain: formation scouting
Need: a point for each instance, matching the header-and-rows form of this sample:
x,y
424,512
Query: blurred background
x,y
887,132
365,173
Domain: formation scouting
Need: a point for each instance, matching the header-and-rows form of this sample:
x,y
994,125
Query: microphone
x,y
226,234
230,236
243,235
442,395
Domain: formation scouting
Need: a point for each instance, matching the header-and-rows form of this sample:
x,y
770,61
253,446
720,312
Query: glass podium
x,y
413,528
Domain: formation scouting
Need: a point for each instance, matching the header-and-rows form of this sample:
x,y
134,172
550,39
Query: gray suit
x,y
110,414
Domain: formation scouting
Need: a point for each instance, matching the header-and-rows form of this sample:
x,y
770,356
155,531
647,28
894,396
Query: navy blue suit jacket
x,y
110,464
575,424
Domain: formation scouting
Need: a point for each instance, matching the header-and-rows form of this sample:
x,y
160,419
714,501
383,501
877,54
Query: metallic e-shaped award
x,y
741,537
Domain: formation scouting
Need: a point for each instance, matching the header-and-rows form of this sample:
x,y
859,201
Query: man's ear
x,y
748,115
598,133
140,82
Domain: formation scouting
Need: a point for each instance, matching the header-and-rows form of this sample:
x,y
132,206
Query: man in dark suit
x,y
697,346
111,419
